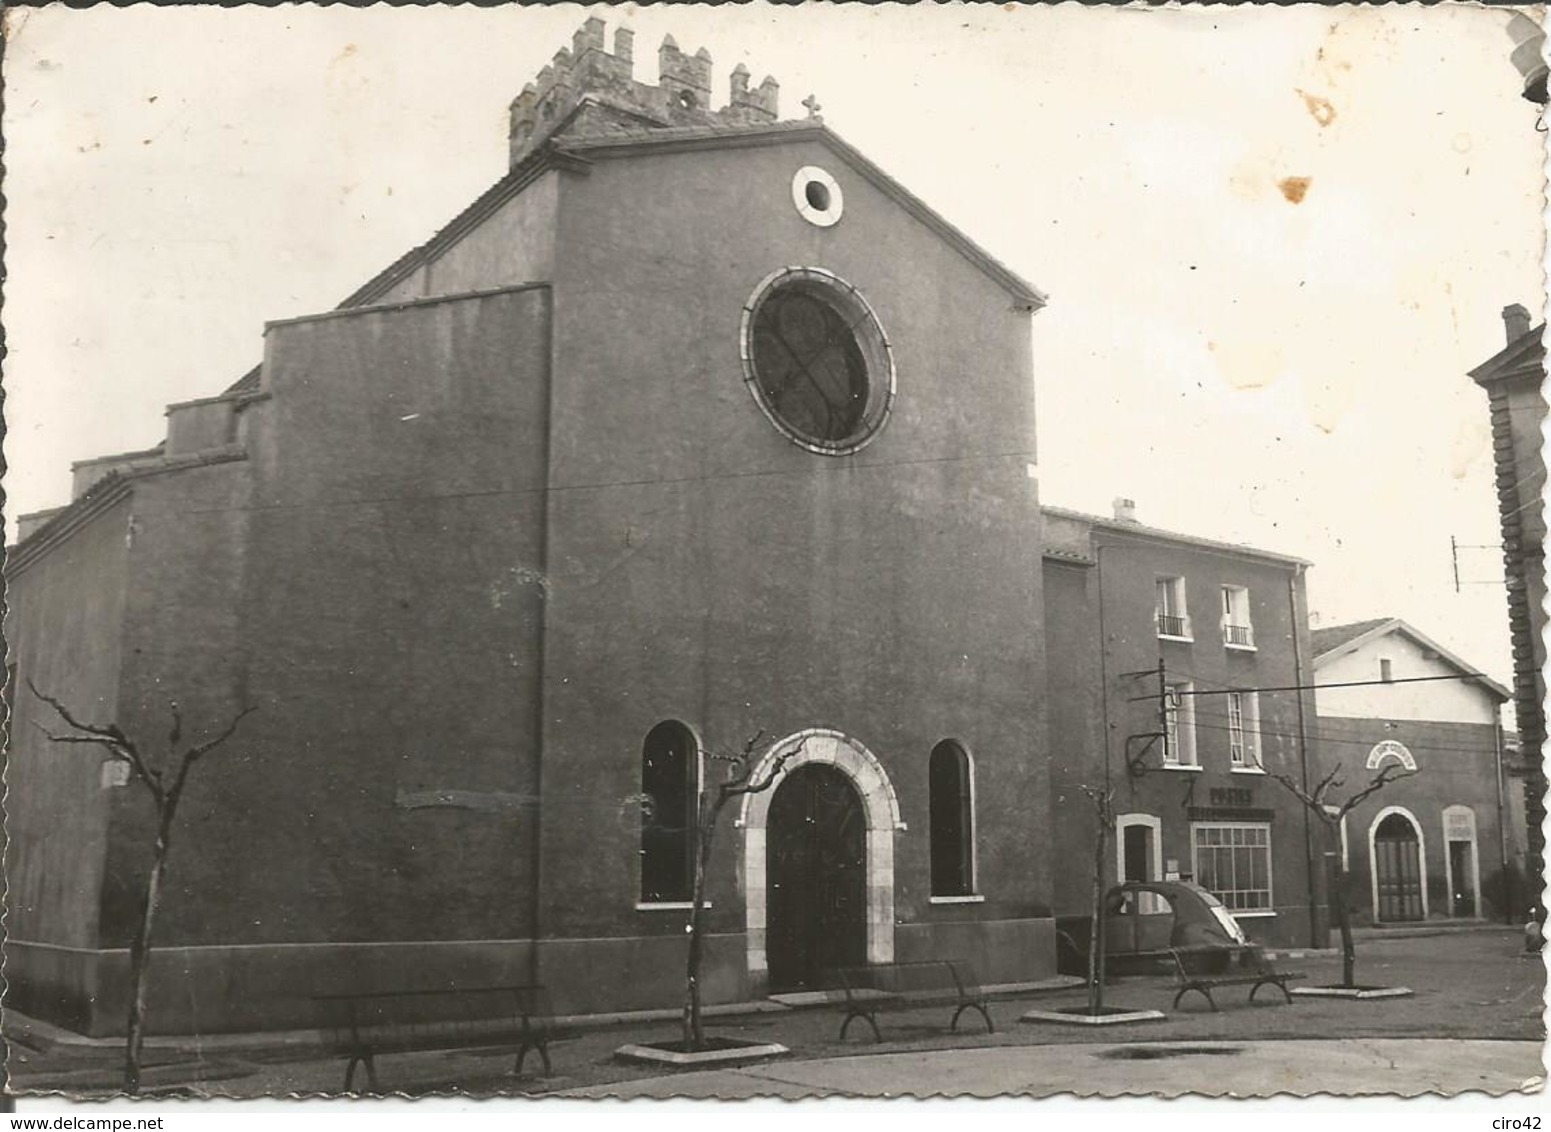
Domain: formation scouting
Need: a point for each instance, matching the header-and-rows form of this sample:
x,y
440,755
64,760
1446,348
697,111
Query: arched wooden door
x,y
1397,870
817,897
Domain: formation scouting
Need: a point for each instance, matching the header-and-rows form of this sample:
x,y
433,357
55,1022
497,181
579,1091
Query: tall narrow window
x,y
1237,632
1386,670
952,820
1173,618
1244,730
669,785
1179,725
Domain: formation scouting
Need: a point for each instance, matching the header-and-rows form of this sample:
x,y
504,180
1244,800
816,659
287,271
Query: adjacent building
x,y
1175,670
1436,842
1513,379
696,426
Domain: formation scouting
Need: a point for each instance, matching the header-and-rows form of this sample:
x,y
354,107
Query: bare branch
x,y
194,754
91,740
1378,783
1330,782
106,735
107,732
176,734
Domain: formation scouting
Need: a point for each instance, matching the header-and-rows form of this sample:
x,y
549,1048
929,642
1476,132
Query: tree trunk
x,y
1344,922
694,1028
1096,928
139,960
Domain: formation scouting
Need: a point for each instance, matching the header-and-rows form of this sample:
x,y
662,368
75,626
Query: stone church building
x,y
695,426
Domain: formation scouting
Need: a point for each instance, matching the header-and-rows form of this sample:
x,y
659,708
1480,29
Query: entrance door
x,y
1462,870
816,906
1398,870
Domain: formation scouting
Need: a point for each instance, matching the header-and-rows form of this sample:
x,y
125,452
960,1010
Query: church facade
x,y
695,431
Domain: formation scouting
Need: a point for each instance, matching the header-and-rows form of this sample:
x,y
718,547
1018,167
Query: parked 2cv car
x,y
1143,920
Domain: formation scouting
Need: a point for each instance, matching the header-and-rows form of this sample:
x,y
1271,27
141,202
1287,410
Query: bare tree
x,y
1104,810
737,780
165,786
1331,814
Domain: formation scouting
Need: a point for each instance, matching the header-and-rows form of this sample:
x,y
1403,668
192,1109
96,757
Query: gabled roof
x,y
577,152
1339,640
1333,637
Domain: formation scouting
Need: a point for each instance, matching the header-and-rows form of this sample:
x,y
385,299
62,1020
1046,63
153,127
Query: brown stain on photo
x,y
1295,188
1322,110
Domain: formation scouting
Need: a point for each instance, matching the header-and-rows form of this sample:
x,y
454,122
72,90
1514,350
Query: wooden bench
x,y
907,986
362,1025
1203,969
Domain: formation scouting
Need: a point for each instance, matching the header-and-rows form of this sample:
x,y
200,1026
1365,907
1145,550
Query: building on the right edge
x,y
1438,841
1512,378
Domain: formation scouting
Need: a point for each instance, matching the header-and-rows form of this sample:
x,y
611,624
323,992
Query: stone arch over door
x,y
881,808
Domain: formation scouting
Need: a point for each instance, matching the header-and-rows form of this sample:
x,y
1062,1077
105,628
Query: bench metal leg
x,y
371,1071
990,1028
1279,984
1198,988
522,1052
866,1017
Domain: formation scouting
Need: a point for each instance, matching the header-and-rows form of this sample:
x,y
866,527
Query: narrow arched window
x,y
669,784
952,820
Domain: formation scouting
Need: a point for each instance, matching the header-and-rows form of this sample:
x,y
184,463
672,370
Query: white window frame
x,y
1244,750
1170,601
1196,828
1236,615
1179,727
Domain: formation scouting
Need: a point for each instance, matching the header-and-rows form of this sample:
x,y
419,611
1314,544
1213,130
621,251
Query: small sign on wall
x,y
115,772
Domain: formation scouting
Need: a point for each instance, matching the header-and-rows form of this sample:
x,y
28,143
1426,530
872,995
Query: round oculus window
x,y
817,196
817,360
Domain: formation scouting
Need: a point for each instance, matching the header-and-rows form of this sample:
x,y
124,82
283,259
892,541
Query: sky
x,y
1274,239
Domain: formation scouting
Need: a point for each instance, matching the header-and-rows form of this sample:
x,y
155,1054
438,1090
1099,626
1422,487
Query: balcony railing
x,y
1171,626
1242,636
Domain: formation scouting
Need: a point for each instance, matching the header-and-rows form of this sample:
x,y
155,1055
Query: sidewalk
x,y
1471,987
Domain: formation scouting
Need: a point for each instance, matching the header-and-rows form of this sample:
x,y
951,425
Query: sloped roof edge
x,y
1396,625
1526,353
775,133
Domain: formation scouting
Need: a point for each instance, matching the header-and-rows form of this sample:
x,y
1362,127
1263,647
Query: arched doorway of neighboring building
x,y
817,870
1461,862
1399,877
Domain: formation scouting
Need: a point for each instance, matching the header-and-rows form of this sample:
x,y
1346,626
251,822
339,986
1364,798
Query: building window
x,y
1179,725
817,360
1237,632
1233,862
1244,730
670,783
952,799
1386,670
1173,618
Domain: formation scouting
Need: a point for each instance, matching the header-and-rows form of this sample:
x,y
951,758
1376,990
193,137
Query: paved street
x,y
1385,1066
1473,1023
